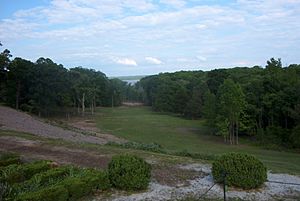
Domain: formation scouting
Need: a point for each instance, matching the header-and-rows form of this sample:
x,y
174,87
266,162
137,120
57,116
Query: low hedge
x,y
242,170
129,172
153,147
203,156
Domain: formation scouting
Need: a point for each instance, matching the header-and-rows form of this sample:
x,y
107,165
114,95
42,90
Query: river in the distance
x,y
132,82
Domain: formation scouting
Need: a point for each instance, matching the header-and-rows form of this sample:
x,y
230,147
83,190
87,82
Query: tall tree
x,y
19,78
231,105
210,108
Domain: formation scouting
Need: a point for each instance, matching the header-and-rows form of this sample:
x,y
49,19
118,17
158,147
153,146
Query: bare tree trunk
x,y
82,104
18,94
91,106
94,102
237,133
230,133
286,121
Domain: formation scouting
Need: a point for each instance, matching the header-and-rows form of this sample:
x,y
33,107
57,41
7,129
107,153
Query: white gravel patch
x,y
198,186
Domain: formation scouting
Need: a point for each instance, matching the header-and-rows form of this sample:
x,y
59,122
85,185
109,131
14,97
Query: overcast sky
x,y
136,37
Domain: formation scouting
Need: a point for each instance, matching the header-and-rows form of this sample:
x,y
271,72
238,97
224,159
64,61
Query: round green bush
x,y
241,170
129,172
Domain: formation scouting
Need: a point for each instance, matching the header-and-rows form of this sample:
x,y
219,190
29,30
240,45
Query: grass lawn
x,y
140,124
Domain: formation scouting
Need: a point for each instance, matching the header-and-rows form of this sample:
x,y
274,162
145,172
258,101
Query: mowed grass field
x,y
141,124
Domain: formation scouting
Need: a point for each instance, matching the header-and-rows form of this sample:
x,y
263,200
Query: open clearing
x,y
140,124
173,178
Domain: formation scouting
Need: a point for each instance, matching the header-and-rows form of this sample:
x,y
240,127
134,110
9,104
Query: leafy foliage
x,y
45,88
241,170
61,183
50,193
129,172
237,101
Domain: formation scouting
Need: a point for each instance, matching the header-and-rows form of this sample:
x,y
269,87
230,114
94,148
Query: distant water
x,y
132,82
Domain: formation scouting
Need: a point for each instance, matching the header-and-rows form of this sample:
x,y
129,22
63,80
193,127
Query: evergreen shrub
x,y
242,170
129,172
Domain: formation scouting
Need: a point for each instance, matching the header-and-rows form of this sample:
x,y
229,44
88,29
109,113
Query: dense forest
x,y
263,103
46,88
260,102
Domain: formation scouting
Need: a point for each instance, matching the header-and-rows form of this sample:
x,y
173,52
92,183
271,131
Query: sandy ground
x,y
11,119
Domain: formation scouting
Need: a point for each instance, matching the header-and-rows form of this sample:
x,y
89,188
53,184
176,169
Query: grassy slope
x,y
142,125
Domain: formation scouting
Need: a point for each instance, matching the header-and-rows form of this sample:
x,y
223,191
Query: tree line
x,y
263,103
45,88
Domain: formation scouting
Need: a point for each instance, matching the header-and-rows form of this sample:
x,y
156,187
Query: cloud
x,y
201,58
153,60
125,61
175,30
174,3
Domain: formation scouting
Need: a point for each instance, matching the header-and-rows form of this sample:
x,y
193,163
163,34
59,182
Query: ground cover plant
x,y
41,180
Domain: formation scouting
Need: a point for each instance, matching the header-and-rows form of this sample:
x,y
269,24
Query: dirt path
x,y
88,124
11,119
30,149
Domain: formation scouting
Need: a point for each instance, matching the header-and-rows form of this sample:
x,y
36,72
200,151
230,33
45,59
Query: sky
x,y
143,37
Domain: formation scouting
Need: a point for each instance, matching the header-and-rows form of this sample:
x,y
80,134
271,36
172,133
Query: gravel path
x,y
198,186
11,119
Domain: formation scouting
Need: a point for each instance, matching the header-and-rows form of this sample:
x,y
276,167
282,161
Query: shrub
x,y
36,167
57,193
97,179
129,172
39,180
242,170
18,173
76,188
12,174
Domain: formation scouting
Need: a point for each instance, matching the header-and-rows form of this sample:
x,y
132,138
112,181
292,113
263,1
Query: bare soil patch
x,y
30,149
11,119
132,104
174,176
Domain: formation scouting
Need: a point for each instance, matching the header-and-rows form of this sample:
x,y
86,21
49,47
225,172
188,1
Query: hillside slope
x,y
11,119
